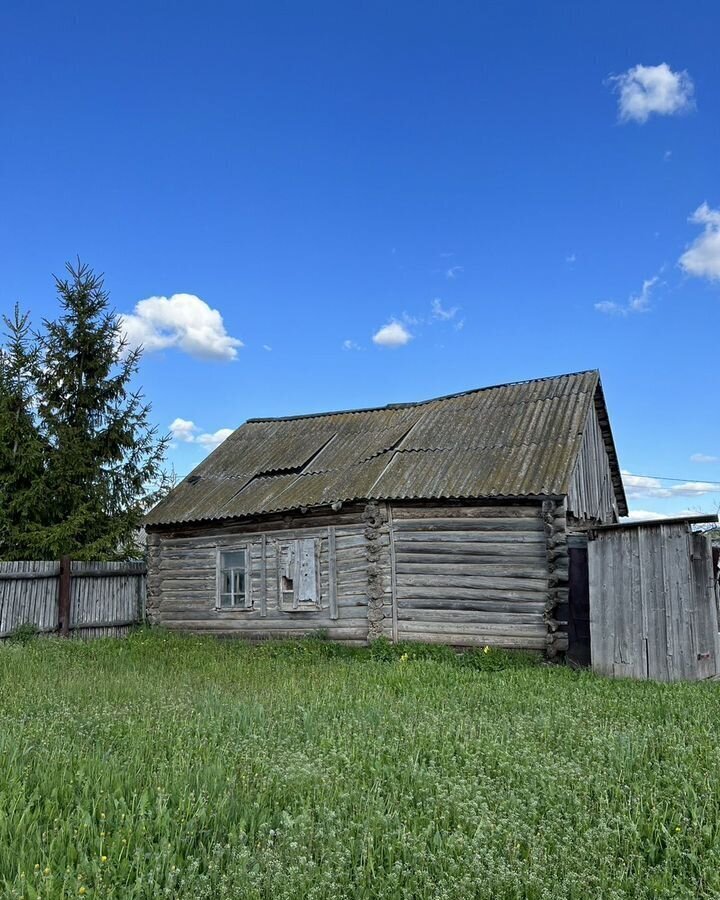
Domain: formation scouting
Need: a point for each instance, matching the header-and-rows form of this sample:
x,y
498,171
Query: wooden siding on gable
x,y
471,575
591,495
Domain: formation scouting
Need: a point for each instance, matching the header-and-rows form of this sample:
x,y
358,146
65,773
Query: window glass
x,y
232,580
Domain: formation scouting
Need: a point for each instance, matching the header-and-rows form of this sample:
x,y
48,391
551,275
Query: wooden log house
x,y
441,521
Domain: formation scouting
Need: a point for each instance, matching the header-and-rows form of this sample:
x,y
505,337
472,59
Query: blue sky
x,y
508,186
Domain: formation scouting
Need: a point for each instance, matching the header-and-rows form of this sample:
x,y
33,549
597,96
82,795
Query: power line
x,y
670,478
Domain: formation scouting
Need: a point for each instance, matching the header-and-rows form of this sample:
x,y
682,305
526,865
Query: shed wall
x,y
652,603
591,495
471,575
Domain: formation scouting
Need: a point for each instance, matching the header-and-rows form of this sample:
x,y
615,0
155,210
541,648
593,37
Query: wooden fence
x,y
653,605
73,599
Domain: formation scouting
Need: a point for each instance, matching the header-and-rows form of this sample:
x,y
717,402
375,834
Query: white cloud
x,y
637,303
267,347
350,345
441,312
702,258
637,486
695,488
183,430
667,156
704,458
394,334
647,90
570,258
454,271
212,440
183,321
639,515
186,431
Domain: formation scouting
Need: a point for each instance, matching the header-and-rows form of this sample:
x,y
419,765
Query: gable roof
x,y
506,441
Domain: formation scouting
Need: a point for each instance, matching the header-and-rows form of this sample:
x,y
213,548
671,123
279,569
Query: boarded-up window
x,y
299,575
233,582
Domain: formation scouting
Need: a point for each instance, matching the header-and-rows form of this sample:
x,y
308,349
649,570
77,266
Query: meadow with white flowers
x,y
166,766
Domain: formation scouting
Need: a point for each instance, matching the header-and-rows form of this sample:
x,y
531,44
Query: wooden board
x,y
653,613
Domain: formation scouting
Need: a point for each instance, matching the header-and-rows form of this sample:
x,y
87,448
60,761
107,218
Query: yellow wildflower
x,y
103,859
404,657
486,649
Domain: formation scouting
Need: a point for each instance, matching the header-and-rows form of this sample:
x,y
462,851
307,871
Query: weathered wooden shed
x,y
440,521
653,601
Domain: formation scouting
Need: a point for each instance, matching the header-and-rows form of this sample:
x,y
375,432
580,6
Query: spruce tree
x,y
22,447
103,466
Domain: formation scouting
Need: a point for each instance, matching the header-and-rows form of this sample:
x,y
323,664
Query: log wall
x,y
183,571
466,575
472,575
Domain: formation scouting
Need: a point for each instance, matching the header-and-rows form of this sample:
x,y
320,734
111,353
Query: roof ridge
x,y
413,403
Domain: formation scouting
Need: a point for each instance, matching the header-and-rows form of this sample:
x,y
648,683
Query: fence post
x,y
64,597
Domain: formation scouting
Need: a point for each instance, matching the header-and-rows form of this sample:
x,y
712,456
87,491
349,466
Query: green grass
x,y
186,768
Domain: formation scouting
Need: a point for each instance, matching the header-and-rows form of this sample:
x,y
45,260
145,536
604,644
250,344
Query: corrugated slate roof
x,y
513,440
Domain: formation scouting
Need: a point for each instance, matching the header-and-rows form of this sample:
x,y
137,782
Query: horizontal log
x,y
484,542
474,640
487,629
251,618
445,561
349,541
195,562
499,524
465,512
449,618
278,633
473,570
489,606
538,561
502,566
447,578
270,524
460,593
509,538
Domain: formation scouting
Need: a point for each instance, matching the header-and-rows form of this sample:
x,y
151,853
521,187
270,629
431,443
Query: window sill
x,y
235,609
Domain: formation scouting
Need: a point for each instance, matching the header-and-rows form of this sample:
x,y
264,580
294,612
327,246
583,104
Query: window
x,y
299,575
233,581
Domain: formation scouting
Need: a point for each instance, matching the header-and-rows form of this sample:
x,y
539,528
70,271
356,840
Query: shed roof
x,y
507,441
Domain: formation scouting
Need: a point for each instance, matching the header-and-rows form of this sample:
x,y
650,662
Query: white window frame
x,y
242,603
